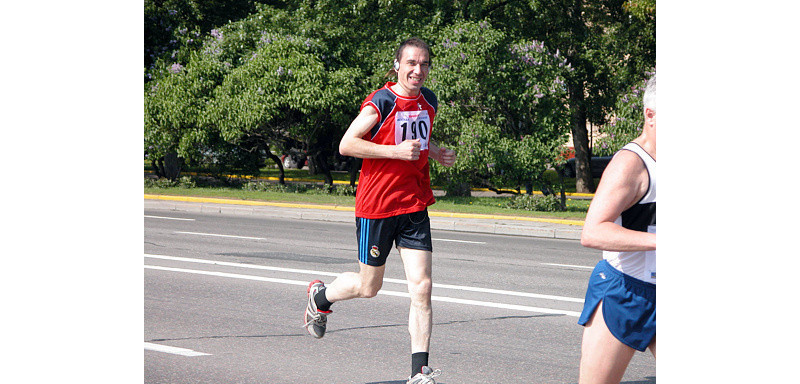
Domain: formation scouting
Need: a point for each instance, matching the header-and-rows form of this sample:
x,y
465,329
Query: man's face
x,y
414,67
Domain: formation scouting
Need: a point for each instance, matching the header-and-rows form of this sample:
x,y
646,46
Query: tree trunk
x,y
458,188
158,166
321,163
278,161
355,166
584,183
172,165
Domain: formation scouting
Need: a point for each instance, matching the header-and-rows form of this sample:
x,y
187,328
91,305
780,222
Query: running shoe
x,y
316,320
425,377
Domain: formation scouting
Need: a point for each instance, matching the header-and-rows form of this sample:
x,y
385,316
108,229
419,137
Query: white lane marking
x,y
462,241
261,238
508,293
232,275
382,291
570,266
173,350
167,218
489,304
227,264
217,235
388,280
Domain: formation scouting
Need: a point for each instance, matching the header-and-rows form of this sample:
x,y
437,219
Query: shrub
x,y
549,203
161,182
345,190
187,182
260,186
341,190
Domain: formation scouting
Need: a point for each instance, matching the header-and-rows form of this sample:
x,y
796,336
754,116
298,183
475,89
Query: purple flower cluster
x,y
281,71
447,43
535,46
529,60
216,33
175,68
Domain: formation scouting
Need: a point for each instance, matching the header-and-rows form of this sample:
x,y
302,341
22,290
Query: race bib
x,y
650,259
412,125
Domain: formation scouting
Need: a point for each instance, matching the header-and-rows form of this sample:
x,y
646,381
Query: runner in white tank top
x,y
640,217
619,314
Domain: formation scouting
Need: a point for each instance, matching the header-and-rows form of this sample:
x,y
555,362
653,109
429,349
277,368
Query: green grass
x,y
343,176
235,193
576,209
495,205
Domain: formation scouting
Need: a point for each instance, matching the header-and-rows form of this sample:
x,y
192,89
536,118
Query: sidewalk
x,y
501,225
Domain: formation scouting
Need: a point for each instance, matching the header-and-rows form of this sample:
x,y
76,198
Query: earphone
x,y
396,65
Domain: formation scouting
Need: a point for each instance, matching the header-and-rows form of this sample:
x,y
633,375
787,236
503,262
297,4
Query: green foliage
x,y
627,122
549,203
260,186
173,27
501,105
641,9
229,82
325,189
161,182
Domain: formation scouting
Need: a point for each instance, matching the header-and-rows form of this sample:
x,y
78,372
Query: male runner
x,y
619,314
392,133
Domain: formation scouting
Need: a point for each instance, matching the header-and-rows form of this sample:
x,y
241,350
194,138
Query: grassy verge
x,y
576,209
343,176
494,205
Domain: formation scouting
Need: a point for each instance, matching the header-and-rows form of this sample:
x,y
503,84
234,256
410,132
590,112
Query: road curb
x,y
493,224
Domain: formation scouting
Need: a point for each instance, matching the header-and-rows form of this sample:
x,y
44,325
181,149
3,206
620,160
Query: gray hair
x,y
649,99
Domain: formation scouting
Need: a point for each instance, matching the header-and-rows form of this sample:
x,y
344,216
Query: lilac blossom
x,y
175,68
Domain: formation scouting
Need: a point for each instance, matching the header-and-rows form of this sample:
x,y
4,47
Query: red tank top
x,y
389,187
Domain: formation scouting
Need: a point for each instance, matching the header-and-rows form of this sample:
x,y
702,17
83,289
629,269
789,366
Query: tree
x,y
501,103
609,49
626,123
511,77
170,25
251,86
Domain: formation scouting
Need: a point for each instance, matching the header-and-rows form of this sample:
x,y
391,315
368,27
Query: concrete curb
x,y
493,224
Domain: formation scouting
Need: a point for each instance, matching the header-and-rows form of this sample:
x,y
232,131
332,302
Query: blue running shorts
x,y
629,305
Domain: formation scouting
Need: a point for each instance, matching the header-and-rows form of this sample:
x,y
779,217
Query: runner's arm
x,y
444,156
353,144
623,184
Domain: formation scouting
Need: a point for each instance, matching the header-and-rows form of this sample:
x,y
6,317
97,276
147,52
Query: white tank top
x,y
640,217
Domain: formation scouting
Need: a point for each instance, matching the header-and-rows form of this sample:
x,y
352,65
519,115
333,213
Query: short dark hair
x,y
410,42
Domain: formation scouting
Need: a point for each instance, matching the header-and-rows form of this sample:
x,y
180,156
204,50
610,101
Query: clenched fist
x,y
447,157
407,150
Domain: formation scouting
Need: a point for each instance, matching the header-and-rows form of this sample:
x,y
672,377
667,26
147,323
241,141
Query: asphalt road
x,y
224,299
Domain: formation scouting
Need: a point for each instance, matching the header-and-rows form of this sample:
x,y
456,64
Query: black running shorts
x,y
375,236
